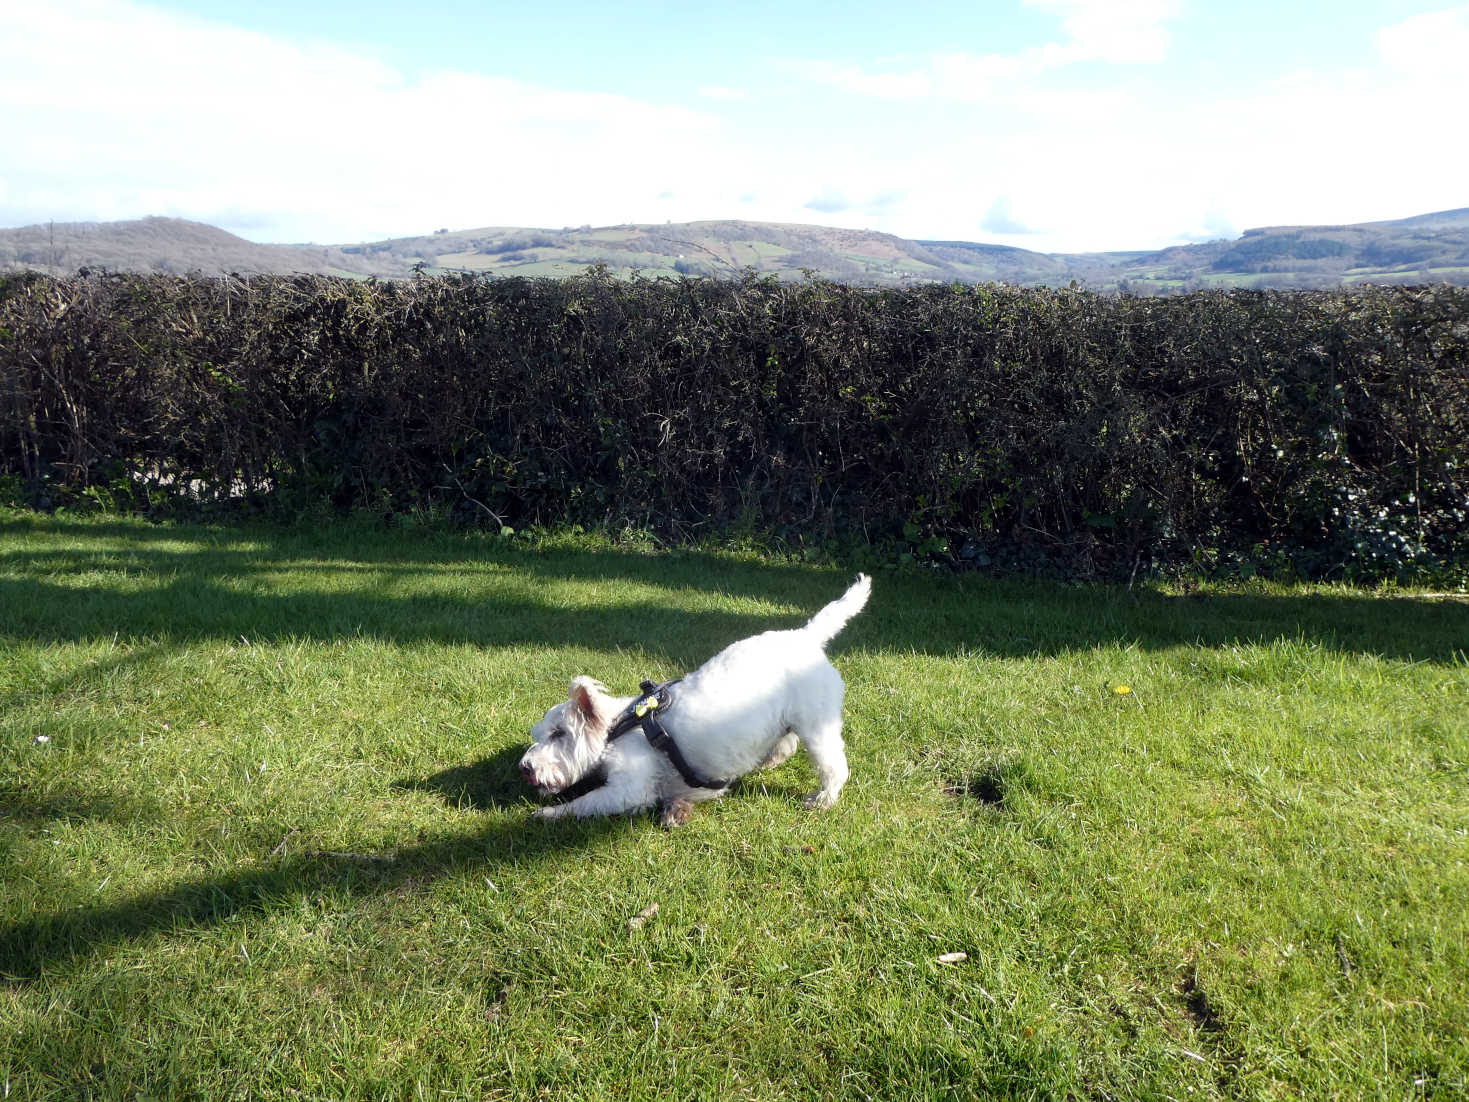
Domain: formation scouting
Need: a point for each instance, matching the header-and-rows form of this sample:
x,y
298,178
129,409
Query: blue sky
x,y
1060,125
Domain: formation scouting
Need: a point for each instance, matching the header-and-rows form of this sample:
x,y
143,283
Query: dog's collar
x,y
590,781
645,713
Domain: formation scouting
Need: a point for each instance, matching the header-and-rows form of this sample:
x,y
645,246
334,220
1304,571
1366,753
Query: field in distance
x,y
1427,248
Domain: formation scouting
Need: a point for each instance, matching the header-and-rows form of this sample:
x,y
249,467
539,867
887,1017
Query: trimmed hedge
x,y
1047,429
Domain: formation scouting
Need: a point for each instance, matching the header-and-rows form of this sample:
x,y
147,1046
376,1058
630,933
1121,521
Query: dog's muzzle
x,y
542,788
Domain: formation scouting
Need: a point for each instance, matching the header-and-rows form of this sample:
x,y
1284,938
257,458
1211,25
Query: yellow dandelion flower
x,y
1123,690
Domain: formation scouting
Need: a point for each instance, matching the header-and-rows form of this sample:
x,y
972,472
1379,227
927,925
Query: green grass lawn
x,y
262,836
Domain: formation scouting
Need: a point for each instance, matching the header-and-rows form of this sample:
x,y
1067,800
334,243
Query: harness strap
x,y
644,713
593,780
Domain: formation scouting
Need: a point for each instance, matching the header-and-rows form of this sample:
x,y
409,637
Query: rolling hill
x,y
170,245
1426,248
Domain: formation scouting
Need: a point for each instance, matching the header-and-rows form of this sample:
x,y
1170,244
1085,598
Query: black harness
x,y
644,713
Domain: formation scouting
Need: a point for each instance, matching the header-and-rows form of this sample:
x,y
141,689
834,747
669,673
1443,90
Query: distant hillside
x,y
690,248
1425,248
1441,220
1428,247
166,245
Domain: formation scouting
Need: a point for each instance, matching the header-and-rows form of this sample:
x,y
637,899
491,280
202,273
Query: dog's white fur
x,y
747,707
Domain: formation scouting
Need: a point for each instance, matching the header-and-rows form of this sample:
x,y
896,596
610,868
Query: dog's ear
x,y
589,697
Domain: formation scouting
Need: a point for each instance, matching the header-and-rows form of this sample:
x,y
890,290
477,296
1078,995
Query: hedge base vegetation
x,y
1059,431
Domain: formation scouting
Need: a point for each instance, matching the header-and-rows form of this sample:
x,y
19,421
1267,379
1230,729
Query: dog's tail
x,y
831,619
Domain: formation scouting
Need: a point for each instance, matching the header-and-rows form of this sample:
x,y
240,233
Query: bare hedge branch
x,y
1054,429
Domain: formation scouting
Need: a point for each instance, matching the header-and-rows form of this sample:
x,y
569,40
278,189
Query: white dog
x,y
747,707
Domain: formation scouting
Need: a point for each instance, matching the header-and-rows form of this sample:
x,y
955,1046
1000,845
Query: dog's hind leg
x,y
829,759
784,748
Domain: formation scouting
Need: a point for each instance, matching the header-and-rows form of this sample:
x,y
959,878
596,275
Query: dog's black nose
x,y
527,772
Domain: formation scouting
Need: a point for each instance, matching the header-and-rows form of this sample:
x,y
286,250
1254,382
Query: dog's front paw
x,y
552,811
821,801
676,813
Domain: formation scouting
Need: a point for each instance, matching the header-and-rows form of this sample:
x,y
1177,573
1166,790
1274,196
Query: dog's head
x,y
570,739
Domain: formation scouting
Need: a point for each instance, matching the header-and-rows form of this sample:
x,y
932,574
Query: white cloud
x,y
1342,145
116,110
1120,32
1435,45
1127,166
1000,219
1116,32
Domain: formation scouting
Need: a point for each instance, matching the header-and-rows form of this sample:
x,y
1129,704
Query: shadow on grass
x,y
80,677
19,803
30,948
178,585
490,784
